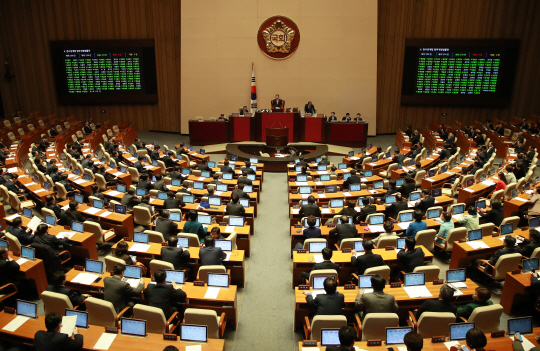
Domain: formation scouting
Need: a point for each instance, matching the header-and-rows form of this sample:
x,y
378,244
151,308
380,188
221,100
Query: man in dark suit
x,y
451,139
119,292
500,129
519,171
139,164
169,159
358,118
411,257
164,296
347,336
398,156
211,255
509,248
479,139
144,183
11,186
53,340
278,103
523,124
172,202
177,173
391,189
96,193
489,124
160,184
311,209
530,154
43,145
331,303
87,159
130,199
350,211
234,208
446,152
309,108
8,269
59,286
443,304
324,161
408,131
176,255
443,134
226,168
215,179
407,187
347,117
519,147
78,145
415,137
366,209
53,132
353,179
52,206
137,143
244,179
71,214
332,117
25,236
426,202
534,129
165,226
344,230
240,191
398,206
378,301
326,264
154,154
367,260
248,169
530,246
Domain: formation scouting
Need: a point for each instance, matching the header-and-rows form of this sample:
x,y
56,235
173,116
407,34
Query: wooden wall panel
x,y
400,19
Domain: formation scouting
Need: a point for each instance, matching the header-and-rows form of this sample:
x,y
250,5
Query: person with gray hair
x,y
324,161
443,304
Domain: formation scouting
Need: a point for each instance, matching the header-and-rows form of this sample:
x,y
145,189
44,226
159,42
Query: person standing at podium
x,y
347,117
309,108
277,102
332,117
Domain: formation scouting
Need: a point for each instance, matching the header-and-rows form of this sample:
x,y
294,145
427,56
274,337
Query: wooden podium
x,y
277,136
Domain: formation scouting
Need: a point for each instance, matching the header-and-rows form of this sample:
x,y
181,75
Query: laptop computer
x,y
87,177
399,182
400,243
375,159
413,279
204,219
120,209
4,243
227,176
318,281
205,174
364,282
182,242
221,187
330,337
436,192
188,199
177,277
199,185
531,264
77,227
194,333
162,195
140,192
474,235
317,222
220,280
225,245
336,203
458,331
254,160
405,217
98,204
121,188
359,246
176,182
132,275
244,202
82,317
186,171
378,185
27,212
301,178
79,198
330,189
317,247
355,187
481,204
435,213
349,220
248,188
93,266
175,216
444,169
342,166
534,222
389,199
133,327
236,221
376,219
325,178
368,174
469,182
304,190
47,186
322,168
456,278
351,153
28,252
458,209
27,309
394,336
514,193
507,229
523,325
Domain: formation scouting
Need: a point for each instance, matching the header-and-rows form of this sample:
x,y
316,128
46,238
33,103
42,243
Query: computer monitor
x,y
474,234
376,219
415,195
248,188
27,212
98,204
395,336
254,160
330,337
298,169
444,169
221,187
301,178
530,265
220,280
455,275
527,186
507,229
431,173
133,327
121,188
389,199
77,226
133,272
112,164
76,171
436,192
205,174
318,281
378,185
458,331
188,199
351,153
93,266
27,309
399,182
359,246
140,192
244,202
355,187
317,222
46,185
514,193
482,177
321,168
176,182
405,217
186,171
82,317
346,176
227,176
400,165
79,198
336,203
342,166
210,164
87,177
401,243
175,216
226,245
162,195
199,185
28,252
534,222
364,282
458,209
182,242
236,221
253,167
303,190
194,333
4,243
349,220
375,158
325,178
481,204
202,151
316,247
435,213
523,325
412,279
233,158
368,174
177,277
204,219
123,169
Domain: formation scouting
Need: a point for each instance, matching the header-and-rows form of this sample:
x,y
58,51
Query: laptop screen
x,y
133,272
27,309
375,159
475,234
139,237
342,166
325,178
82,317
376,219
359,246
204,219
221,187
190,332
185,171
175,216
330,189
507,229
399,182
77,226
351,153
321,168
244,202
434,213
298,169
254,160
455,275
318,281
514,193
481,204
248,188
317,222
140,192
199,185
177,277
50,220
79,198
226,245
336,203
458,331
522,325
414,196
458,209
214,201
28,253
444,169
46,185
236,221
368,174
330,337
355,187
176,182
188,199
227,176
401,243
135,327
4,243
390,199
93,266
436,192
182,242
530,264
411,279
364,282
98,204
431,173
395,335
121,188
470,182
27,213
218,279
346,176
205,174
120,209
316,247
378,185
304,190
405,217
87,177
301,178
123,169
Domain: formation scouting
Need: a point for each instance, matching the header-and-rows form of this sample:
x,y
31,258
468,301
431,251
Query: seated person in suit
x,y
25,236
145,202
84,163
160,184
244,110
121,251
119,292
8,269
378,301
410,257
408,187
333,170
481,297
234,208
367,260
139,164
324,161
311,232
59,286
244,179
417,225
50,204
358,118
248,168
517,345
215,233
144,183
305,171
130,199
418,168
398,156
53,340
11,186
347,336
353,179
366,209
331,303
203,166
471,221
426,202
309,108
347,117
172,202
277,102
509,247
194,227
495,215
176,255
169,160
415,138
446,226
443,304
177,173
226,168
211,255
166,226
530,246
311,209
240,191
388,227
401,204
164,296
96,193
344,230
408,131
350,211
41,236
154,155
326,264
391,188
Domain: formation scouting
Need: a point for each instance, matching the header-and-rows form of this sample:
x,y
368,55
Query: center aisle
x,y
266,313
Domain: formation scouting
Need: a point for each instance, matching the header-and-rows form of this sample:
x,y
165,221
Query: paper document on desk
x,y
71,175
105,214
373,191
133,282
457,216
518,240
229,229
228,253
21,261
478,244
318,258
305,196
211,293
140,247
448,172
376,228
201,178
65,207
363,179
527,345
404,225
105,341
449,344
15,323
318,183
321,196
69,235
150,167
84,278
488,182
325,210
117,174
217,193
345,170
31,183
34,222
458,285
39,191
469,190
354,158
79,181
297,210
301,183
417,291
92,210
12,217
346,193
12,169
311,349
458,292
194,348
322,172
520,199
113,193
68,324
430,180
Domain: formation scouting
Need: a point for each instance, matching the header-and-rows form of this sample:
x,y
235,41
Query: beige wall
x,y
335,65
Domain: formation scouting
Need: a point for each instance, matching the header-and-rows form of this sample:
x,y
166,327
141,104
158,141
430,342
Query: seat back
x,y
306,243
110,261
31,127
55,302
199,316
326,322
142,215
14,201
100,181
513,219
154,317
13,242
94,228
134,174
384,242
204,270
426,238
487,229
487,318
464,180
155,237
156,265
322,273
375,324
431,272
88,171
100,312
61,191
454,235
5,195
403,212
536,253
232,237
508,191
193,239
382,270
433,324
497,195
506,263
348,243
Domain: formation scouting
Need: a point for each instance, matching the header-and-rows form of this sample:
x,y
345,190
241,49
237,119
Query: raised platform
x,y
333,150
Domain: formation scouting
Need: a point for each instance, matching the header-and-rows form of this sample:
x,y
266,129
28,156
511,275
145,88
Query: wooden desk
x,y
517,291
403,300
513,205
347,195
25,334
34,270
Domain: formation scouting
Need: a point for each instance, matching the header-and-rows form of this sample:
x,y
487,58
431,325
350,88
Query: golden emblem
x,y
278,37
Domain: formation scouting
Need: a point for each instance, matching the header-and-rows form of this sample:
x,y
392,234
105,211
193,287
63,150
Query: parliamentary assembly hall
x,y
302,175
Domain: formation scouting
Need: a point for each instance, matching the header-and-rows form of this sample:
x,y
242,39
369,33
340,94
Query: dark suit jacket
x,y
166,227
173,203
397,207
11,186
310,210
245,180
411,259
309,109
74,296
529,249
175,255
119,293
425,203
140,167
279,103
406,189
435,306
248,170
176,175
145,184
504,251
311,233
494,216
203,167
235,209
52,241
344,231
445,154
351,180
332,118
164,296
22,235
169,162
241,194
211,256
226,169
347,211
55,208
160,185
53,341
130,201
366,261
326,265
327,304
365,211
415,139
8,271
399,158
